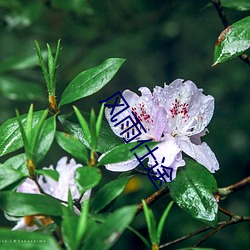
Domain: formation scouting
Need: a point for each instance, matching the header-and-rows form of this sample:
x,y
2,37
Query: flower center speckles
x,y
141,113
179,109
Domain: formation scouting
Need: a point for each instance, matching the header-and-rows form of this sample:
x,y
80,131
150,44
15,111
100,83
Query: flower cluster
x,y
177,116
58,189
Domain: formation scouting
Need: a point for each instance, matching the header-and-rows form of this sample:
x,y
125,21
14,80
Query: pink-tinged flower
x,y
188,113
177,115
58,189
153,118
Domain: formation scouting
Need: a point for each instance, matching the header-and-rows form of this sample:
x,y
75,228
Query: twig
x,y
235,220
223,192
152,198
222,15
42,192
224,211
226,23
204,229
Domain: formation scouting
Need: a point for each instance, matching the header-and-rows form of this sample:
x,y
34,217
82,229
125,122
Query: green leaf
x,y
70,201
90,81
92,127
193,191
241,5
18,162
107,139
43,65
143,239
99,122
87,177
108,193
106,234
73,146
19,63
20,204
37,132
9,175
69,230
84,125
122,153
82,223
74,228
162,221
16,240
46,137
19,90
10,136
53,174
151,223
233,41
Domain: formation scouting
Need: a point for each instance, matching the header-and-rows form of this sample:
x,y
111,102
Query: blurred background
x,y
161,41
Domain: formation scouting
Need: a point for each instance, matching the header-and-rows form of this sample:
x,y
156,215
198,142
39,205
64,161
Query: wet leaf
x,y
9,176
108,193
107,138
46,137
90,81
20,204
233,41
10,135
87,177
18,162
122,153
73,146
241,5
193,191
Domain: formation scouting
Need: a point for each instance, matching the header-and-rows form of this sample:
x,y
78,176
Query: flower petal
x,y
122,166
59,189
189,110
151,116
201,153
29,187
168,155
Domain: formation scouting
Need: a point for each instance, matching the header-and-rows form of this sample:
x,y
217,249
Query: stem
x,y
226,23
224,211
42,192
235,220
185,237
152,198
224,192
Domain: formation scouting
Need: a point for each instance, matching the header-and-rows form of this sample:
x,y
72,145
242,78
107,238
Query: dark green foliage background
x,y
161,41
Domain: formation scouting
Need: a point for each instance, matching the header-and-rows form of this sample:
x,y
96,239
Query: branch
x,y
204,229
235,220
152,198
223,192
226,23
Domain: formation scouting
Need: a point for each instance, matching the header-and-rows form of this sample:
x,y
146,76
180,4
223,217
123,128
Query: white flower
x,y
58,189
188,113
177,115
